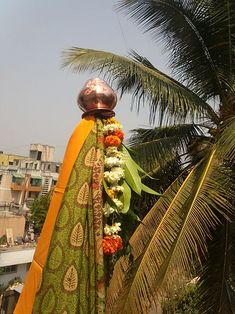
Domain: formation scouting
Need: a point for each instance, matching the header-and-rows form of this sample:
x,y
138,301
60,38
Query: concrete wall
x,y
5,188
17,223
46,150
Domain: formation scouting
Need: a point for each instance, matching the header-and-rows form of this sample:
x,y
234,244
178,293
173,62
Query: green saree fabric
x,y
73,276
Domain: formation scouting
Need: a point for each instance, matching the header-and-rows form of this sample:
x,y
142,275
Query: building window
x,y
0,178
35,166
48,167
17,179
36,181
39,155
57,168
10,163
26,165
8,269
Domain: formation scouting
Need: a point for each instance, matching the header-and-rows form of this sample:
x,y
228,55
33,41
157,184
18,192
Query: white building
x,y
15,262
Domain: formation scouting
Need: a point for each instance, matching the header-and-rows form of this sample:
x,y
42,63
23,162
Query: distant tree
x,y
38,209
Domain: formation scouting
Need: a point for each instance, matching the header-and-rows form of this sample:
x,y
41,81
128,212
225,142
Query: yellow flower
x,y
113,121
111,193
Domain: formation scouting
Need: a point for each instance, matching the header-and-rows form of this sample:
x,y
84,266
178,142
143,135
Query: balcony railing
x,y
34,188
18,187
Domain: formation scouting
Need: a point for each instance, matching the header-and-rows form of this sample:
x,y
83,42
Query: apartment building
x,y
23,178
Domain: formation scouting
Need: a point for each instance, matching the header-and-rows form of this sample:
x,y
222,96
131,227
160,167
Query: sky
x,y
37,97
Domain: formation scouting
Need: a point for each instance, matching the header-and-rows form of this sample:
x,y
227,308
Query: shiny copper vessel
x,y
96,95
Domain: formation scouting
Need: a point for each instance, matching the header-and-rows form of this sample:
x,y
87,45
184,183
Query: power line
x,y
121,28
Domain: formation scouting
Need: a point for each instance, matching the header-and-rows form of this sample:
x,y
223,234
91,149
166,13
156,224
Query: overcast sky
x,y
37,98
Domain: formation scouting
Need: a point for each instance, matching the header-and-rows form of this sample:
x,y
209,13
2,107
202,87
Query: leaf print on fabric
x,y
55,258
83,194
63,217
48,302
70,281
90,157
76,236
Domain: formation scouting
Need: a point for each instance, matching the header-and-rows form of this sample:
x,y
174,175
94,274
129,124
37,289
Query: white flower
x,y
107,230
118,203
111,230
109,128
111,151
119,171
114,175
110,162
115,228
111,177
108,210
120,155
117,188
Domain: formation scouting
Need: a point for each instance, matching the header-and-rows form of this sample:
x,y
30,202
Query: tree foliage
x,y
38,210
191,226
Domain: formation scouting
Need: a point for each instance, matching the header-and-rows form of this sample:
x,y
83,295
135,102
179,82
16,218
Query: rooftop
x,y
20,254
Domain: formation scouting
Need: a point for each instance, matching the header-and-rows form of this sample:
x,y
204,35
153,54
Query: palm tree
x,y
191,228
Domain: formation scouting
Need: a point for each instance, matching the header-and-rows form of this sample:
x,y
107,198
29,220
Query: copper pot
x,y
96,95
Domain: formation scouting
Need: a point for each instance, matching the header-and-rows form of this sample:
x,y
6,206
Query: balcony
x,y
18,186
34,188
35,184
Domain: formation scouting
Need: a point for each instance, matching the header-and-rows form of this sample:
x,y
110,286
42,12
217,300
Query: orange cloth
x,y
26,300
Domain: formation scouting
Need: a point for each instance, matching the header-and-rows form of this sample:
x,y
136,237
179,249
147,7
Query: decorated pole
x,y
83,226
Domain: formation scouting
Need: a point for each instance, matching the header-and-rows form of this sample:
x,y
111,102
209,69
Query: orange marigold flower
x,y
112,140
120,134
112,244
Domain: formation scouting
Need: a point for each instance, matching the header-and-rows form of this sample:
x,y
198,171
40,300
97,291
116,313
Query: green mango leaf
x,y
134,216
126,198
141,170
105,187
144,172
131,172
146,189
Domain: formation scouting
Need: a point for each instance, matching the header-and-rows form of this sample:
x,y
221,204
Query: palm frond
x,y
173,234
162,144
198,35
166,97
217,281
226,141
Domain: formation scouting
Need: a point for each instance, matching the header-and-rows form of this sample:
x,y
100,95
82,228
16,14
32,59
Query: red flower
x,y
119,134
112,244
112,140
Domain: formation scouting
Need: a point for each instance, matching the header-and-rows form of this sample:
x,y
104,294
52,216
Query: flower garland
x,y
121,179
113,176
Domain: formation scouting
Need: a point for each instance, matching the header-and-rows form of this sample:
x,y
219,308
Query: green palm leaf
x,y
174,231
156,147
217,281
226,141
199,36
166,97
